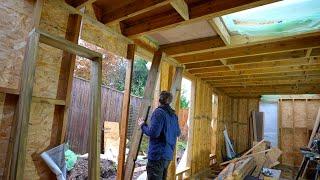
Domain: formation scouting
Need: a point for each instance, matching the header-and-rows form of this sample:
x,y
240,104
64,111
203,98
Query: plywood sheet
x,y
47,72
243,111
243,138
97,37
15,25
38,140
287,158
300,113
287,142
312,111
196,30
253,105
301,138
54,19
286,113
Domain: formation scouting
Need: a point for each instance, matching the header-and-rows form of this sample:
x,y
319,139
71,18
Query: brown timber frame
x,y
27,80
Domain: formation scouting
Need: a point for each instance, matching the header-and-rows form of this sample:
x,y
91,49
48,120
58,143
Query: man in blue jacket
x,y
163,132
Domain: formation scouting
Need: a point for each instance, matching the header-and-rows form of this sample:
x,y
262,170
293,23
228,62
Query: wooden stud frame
x,y
19,151
125,112
147,101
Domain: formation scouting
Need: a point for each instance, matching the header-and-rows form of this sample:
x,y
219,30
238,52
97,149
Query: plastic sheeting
x,y
286,17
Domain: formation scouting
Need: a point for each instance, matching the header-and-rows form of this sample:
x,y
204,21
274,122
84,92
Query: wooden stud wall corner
x,y
19,150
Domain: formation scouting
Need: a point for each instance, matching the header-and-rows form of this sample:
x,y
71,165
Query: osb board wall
x,y
41,135
234,113
15,25
296,120
95,36
241,111
201,127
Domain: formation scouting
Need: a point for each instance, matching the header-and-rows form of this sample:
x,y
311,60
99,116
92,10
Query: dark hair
x,y
165,97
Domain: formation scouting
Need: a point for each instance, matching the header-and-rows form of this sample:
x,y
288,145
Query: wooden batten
x,y
95,116
27,81
181,7
147,101
66,76
125,112
175,90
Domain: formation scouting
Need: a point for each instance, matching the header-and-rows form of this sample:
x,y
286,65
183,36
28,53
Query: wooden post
x,y
125,111
146,102
66,77
26,83
95,116
10,105
175,90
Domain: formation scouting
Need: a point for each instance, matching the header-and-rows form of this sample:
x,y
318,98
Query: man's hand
x,y
140,122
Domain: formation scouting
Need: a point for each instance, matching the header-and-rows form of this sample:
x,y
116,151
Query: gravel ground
x,y
80,170
108,170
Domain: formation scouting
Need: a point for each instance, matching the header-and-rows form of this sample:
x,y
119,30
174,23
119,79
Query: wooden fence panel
x,y
78,125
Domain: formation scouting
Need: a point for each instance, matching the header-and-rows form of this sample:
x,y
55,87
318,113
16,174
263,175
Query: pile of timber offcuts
x,y
256,163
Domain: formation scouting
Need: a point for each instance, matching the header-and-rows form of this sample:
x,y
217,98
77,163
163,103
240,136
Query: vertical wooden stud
x,y
26,83
125,111
95,116
10,105
147,101
66,77
175,90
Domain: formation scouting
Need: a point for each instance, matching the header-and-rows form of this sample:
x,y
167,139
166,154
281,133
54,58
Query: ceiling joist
x,y
219,27
262,71
197,11
181,7
193,45
271,75
254,49
303,80
250,59
260,65
132,9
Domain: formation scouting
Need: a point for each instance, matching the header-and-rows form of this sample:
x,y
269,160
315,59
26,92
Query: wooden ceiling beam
x,y
271,75
250,59
272,88
78,3
259,94
296,81
292,44
265,71
259,65
218,26
192,45
265,78
181,7
132,9
85,3
198,11
315,52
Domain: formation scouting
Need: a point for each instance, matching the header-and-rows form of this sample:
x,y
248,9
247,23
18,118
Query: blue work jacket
x,y
163,132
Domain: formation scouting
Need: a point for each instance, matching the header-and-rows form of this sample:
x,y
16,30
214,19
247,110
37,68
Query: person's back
x,y
163,132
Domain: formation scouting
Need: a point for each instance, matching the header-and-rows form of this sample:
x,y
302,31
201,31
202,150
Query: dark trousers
x,y
157,170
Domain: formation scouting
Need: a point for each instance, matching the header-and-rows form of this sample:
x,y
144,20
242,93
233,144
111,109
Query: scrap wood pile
x,y
252,163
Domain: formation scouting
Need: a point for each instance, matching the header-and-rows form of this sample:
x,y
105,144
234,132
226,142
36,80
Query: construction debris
x,y
251,163
80,171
